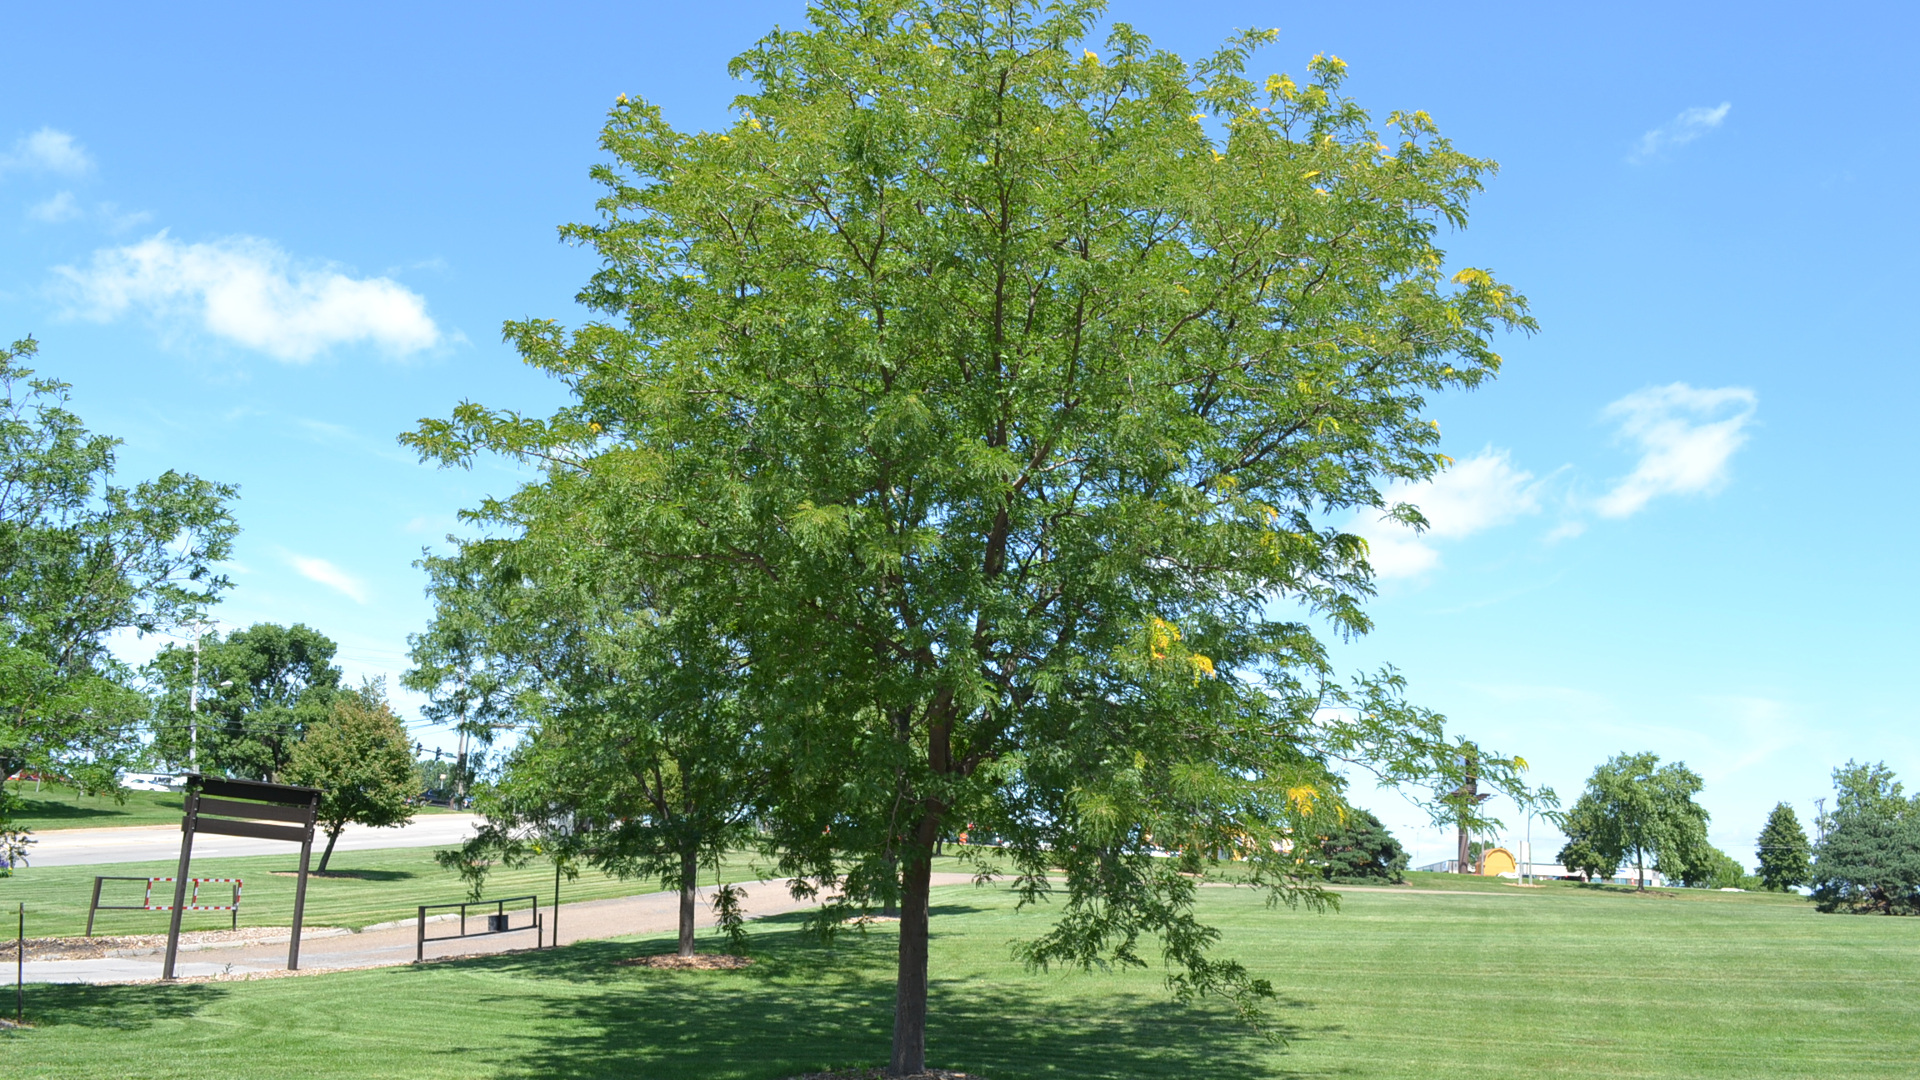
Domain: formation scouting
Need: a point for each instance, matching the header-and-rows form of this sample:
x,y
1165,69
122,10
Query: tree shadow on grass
x,y
120,1008
356,875
805,1006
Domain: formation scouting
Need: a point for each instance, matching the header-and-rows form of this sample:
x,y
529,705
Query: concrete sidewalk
x,y
325,948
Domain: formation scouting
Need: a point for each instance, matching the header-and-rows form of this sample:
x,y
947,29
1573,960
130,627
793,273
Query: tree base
x,y
696,962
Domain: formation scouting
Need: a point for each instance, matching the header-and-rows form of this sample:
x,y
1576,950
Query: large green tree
x,y
1002,391
81,559
1636,810
360,758
1783,850
260,690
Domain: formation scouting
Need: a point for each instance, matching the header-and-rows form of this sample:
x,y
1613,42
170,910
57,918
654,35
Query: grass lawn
x,y
57,807
361,888
1559,982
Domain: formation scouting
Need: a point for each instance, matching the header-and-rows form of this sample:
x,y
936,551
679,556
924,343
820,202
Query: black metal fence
x,y
499,921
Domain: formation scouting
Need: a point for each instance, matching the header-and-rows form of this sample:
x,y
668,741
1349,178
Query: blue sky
x,y
262,242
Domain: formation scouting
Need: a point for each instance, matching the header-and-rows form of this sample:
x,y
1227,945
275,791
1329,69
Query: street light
x,y
193,709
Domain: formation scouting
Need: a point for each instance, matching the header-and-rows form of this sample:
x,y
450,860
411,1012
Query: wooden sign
x,y
251,808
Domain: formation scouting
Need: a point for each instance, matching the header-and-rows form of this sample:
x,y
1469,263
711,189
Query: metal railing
x,y
147,904
499,921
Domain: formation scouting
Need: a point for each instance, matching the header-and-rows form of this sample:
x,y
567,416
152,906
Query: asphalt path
x,y
144,843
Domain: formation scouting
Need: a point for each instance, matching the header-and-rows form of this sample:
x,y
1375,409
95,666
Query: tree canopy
x,y
995,393
82,558
360,758
1635,808
283,681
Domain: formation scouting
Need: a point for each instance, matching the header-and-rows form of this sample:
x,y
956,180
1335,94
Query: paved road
x,y
74,847
382,946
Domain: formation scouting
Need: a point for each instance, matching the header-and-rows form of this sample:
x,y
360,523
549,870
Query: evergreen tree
x,y
1869,864
1360,849
1783,850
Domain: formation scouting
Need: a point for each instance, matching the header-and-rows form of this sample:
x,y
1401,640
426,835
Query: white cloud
x,y
47,150
248,290
1681,130
62,207
1687,438
120,221
324,572
1472,495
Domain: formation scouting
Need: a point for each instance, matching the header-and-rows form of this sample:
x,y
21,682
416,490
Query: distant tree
x,y
1634,806
1869,863
362,762
1711,868
282,681
1871,790
1592,849
1360,849
1783,850
83,559
638,756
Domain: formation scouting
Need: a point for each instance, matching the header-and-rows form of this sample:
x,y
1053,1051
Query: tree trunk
x,y
890,907
689,881
332,835
910,991
1639,871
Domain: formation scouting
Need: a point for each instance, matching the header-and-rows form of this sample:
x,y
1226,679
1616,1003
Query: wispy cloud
x,y
324,572
1681,130
47,150
1687,438
249,291
1472,495
62,207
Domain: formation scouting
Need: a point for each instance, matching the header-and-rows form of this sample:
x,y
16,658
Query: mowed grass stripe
x,y
1550,983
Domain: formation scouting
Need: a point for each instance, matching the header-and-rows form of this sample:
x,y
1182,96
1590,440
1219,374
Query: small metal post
x,y
236,906
20,971
556,905
95,904
300,889
180,879
420,938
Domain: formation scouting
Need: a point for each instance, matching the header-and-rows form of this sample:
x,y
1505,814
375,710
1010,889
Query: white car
x,y
141,781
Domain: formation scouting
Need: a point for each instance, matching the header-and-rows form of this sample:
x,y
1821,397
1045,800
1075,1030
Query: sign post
x,y
244,808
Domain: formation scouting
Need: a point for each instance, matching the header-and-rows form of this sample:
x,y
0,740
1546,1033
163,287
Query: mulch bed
x,y
881,1074
696,962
